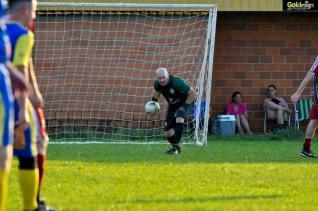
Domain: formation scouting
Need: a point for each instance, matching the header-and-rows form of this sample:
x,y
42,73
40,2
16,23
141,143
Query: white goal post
x,y
96,64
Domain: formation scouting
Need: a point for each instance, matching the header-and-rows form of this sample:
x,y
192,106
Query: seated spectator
x,y
240,111
276,108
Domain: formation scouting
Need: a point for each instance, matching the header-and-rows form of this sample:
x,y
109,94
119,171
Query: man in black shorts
x,y
276,107
180,97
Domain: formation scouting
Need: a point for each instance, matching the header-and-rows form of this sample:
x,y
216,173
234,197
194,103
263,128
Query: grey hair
x,y
161,69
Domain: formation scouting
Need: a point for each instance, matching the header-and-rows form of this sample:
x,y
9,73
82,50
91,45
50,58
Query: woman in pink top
x,y
240,111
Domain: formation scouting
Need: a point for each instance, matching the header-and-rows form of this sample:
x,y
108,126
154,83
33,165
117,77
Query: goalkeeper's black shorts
x,y
170,121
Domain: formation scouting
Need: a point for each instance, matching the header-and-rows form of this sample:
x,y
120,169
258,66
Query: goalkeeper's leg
x,y
177,132
174,136
170,134
180,115
170,124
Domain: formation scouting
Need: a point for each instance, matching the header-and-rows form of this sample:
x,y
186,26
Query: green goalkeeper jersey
x,y
175,92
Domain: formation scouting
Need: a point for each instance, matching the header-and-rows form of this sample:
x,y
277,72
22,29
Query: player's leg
x,y
178,133
25,150
5,164
42,142
170,135
310,132
29,181
6,133
170,124
180,117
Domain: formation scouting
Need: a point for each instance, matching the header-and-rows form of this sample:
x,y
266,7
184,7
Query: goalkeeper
x,y
180,97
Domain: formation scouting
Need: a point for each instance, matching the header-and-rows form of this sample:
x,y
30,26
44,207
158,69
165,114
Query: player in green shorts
x,y
180,97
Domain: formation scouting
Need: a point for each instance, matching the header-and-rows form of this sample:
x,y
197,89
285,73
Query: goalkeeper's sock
x,y
178,133
29,182
4,174
171,140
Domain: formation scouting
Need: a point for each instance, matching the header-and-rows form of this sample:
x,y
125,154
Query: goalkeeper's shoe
x,y
174,151
307,153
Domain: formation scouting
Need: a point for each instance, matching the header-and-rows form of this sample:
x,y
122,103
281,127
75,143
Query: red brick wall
x,y
254,50
101,67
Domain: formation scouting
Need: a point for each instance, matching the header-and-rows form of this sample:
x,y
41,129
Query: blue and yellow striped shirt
x,y
22,41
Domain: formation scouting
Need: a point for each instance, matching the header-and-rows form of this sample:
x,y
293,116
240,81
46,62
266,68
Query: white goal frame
x,y
208,48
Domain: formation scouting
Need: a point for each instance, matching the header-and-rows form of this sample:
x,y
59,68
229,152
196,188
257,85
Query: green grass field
x,y
228,174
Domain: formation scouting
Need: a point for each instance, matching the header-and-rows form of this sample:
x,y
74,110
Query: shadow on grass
x,y
218,151
202,200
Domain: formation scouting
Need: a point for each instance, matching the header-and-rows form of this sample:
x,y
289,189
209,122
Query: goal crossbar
x,y
124,5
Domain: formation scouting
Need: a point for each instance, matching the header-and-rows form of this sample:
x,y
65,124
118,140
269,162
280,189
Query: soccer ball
x,y
152,107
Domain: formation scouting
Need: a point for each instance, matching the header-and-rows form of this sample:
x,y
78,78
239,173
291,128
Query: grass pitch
x,y
231,174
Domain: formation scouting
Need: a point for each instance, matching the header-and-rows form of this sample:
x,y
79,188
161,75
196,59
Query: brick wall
x,y
98,69
252,51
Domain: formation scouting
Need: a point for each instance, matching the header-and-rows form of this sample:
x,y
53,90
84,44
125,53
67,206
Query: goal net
x,y
96,65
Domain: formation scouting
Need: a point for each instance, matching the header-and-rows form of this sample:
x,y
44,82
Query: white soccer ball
x,y
152,107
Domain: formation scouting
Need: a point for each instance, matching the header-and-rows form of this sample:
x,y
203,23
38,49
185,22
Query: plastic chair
x,y
302,110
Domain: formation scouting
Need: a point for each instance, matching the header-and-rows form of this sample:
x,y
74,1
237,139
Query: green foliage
x,y
229,174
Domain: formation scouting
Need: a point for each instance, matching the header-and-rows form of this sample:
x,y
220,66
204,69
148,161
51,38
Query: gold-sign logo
x,y
298,5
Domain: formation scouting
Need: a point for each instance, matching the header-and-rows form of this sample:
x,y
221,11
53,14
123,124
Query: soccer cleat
x,y
43,207
306,153
174,151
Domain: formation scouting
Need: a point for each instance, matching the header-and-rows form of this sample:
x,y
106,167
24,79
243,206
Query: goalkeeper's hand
x,y
154,99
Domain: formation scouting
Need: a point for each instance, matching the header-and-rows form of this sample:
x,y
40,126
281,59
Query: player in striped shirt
x,y
313,123
9,78
6,120
21,15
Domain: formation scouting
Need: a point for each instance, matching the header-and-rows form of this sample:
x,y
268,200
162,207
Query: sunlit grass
x,y
230,174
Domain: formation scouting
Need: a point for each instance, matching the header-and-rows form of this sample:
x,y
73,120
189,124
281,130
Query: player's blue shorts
x,y
25,141
6,108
